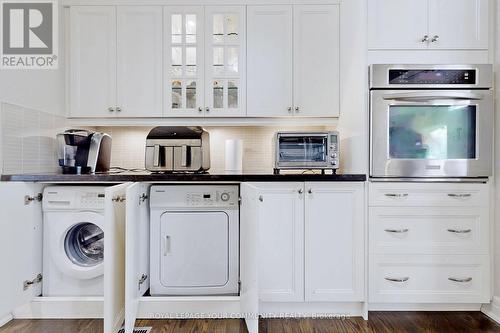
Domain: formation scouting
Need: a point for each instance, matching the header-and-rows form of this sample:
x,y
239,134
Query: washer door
x,y
79,251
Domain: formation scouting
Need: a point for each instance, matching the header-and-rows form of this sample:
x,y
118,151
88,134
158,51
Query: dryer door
x,y
194,250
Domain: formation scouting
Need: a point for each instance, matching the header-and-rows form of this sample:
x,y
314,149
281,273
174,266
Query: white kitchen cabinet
x,y
458,24
92,61
139,61
334,242
115,61
428,24
281,242
429,243
225,61
270,66
311,241
205,60
303,40
316,55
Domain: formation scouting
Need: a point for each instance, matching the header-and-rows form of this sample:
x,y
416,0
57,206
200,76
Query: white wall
x,y
37,89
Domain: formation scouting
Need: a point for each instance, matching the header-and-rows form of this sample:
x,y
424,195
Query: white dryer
x,y
73,241
194,240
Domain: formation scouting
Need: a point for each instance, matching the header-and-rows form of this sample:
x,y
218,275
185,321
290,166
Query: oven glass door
x,y
436,133
302,150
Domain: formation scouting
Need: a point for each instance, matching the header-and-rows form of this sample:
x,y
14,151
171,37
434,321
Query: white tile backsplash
x,y
28,143
258,145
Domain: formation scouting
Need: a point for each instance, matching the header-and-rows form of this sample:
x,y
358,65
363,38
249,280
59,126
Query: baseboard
x,y
492,310
6,319
424,307
158,307
61,308
312,309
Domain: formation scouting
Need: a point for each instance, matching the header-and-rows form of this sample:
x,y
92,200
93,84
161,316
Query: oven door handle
x,y
435,95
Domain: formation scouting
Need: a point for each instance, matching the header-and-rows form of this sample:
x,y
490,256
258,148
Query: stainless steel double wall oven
x,y
431,121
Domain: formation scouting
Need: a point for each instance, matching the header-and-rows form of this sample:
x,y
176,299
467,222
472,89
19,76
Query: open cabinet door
x,y
136,250
20,246
114,257
249,223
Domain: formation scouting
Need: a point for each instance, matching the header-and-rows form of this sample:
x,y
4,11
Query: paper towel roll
x,y
234,156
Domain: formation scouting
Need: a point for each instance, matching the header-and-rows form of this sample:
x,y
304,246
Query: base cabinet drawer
x,y
429,279
429,230
424,194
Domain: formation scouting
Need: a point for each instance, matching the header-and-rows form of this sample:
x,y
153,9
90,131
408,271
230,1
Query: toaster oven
x,y
307,150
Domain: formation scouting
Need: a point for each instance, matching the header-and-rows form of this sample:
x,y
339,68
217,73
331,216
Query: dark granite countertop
x,y
183,177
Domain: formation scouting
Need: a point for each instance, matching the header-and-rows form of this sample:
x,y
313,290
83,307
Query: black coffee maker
x,y
83,152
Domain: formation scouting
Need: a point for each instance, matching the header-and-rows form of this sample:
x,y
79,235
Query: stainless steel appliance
x,y
82,151
307,150
431,121
176,148
194,244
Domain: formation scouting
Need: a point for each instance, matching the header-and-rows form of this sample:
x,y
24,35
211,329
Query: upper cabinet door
x,y
139,61
458,24
183,59
334,229
92,61
270,67
225,61
316,60
398,24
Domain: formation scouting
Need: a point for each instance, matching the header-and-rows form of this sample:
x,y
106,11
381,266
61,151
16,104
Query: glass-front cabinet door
x,y
184,70
225,61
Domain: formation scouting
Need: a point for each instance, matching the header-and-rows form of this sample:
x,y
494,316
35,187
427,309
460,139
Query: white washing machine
x,y
194,243
73,241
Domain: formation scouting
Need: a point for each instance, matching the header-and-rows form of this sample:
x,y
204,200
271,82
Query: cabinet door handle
x,y
396,231
166,249
403,279
261,198
424,39
435,38
469,279
289,109
297,109
207,109
300,191
111,109
396,195
200,109
118,109
462,231
310,191
459,195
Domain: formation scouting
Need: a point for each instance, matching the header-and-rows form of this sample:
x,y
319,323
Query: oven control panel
x,y
432,76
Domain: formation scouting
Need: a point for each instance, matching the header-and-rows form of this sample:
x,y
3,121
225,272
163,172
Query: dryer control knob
x,y
224,196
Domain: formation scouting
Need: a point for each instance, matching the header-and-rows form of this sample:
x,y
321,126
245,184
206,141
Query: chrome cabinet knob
x,y
289,109
261,198
200,109
425,39
111,109
300,191
118,109
310,191
207,109
435,38
297,109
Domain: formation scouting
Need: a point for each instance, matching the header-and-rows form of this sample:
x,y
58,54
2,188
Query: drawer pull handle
x,y
459,195
464,231
396,195
396,231
404,279
469,279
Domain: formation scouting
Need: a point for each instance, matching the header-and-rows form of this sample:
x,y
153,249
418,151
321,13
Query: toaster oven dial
x,y
224,196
